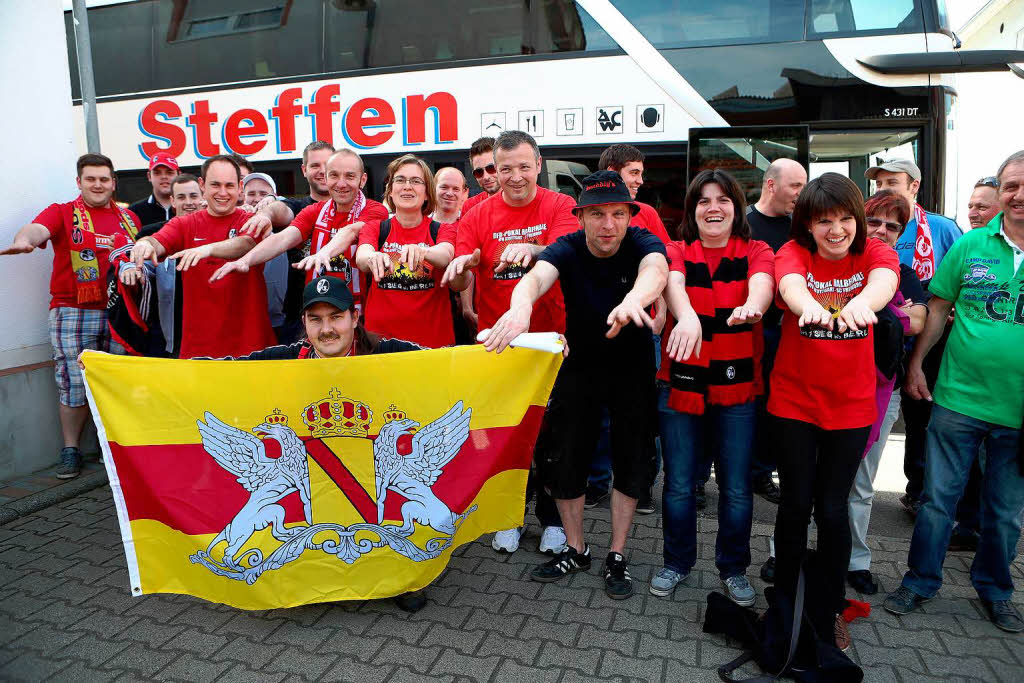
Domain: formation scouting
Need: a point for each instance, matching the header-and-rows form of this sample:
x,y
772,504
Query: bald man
x,y
452,191
769,222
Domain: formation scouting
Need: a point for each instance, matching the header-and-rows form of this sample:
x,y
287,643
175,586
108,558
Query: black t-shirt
x,y
149,211
592,287
771,229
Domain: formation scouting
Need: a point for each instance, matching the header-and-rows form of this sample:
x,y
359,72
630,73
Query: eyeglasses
x,y
989,181
889,225
402,180
489,169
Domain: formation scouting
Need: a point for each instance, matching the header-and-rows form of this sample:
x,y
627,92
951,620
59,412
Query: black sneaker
x,y
701,496
910,504
645,504
566,562
766,487
411,602
617,582
768,570
963,540
70,463
861,581
1004,615
594,497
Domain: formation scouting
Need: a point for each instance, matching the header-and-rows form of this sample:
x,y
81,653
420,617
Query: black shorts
x,y
572,426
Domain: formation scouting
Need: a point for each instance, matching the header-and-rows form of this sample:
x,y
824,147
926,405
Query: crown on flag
x,y
336,415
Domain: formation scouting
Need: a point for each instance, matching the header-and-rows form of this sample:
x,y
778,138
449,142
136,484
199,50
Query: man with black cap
x,y
332,328
610,274
922,246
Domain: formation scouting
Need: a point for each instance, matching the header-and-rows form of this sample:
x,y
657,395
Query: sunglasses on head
x,y
990,181
489,169
889,225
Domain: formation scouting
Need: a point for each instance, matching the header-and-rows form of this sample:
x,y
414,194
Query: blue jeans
x,y
953,443
682,439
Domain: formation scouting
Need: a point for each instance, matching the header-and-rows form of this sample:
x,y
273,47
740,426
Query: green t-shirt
x,y
982,372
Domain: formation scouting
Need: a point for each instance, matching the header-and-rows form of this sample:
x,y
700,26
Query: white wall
x,y
990,106
40,153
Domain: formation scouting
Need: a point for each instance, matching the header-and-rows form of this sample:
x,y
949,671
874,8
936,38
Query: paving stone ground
x,y
66,615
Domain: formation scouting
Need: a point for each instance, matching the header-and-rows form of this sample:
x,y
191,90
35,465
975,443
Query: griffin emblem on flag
x,y
407,460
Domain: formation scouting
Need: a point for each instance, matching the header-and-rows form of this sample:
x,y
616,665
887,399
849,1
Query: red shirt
x,y
305,221
821,376
494,225
405,304
649,219
760,259
224,318
473,201
106,221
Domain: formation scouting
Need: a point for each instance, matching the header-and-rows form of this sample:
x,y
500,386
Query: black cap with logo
x,y
329,290
605,187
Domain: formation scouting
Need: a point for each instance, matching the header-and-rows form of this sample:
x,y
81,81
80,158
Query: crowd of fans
x,y
788,335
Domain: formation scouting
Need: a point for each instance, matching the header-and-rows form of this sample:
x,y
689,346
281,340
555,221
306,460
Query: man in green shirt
x,y
979,399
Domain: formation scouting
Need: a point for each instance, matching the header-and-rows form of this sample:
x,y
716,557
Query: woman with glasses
x,y
832,280
983,205
406,255
887,215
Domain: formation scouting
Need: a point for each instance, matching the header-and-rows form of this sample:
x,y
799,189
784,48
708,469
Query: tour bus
x,y
837,84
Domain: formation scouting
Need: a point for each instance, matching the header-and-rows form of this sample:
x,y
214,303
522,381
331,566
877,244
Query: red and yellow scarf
x,y
83,244
728,370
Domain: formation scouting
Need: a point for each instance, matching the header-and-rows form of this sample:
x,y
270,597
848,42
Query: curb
x,y
51,496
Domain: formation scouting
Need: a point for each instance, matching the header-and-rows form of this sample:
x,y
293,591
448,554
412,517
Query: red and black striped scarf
x,y
728,371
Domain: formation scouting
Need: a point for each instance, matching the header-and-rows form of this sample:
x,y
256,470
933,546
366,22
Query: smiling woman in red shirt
x,y
406,255
831,280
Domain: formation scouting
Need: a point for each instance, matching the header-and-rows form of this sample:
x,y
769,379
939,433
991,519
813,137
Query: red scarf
x,y
924,254
728,370
83,243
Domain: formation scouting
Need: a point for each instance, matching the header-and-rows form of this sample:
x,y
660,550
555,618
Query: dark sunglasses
x,y
489,169
889,225
990,181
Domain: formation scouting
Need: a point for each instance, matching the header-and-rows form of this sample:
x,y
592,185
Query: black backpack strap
x,y
435,228
382,236
725,671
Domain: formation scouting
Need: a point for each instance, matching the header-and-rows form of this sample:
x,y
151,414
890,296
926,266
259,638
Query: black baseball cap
x,y
605,187
329,290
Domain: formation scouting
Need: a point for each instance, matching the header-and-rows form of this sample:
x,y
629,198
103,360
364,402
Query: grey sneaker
x,y
903,601
740,590
70,463
665,581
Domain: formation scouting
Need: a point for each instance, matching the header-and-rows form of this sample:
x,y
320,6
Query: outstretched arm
x,y
650,282
516,320
28,239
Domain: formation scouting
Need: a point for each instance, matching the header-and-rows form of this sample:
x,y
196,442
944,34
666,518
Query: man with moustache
x,y
84,233
346,211
218,318
157,206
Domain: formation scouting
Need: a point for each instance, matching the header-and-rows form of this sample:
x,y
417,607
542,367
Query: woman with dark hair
x,y
406,255
832,279
719,286
886,215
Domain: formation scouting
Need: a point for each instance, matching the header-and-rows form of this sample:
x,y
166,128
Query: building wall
x,y
40,154
989,103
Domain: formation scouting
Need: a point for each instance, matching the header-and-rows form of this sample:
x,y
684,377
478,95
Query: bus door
x,y
745,152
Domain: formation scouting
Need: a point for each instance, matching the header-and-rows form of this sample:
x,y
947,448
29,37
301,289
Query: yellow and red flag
x,y
263,484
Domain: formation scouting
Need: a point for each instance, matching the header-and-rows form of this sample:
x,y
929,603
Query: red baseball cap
x,y
163,159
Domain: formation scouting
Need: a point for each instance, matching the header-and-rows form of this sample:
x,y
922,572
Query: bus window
x,y
855,16
681,23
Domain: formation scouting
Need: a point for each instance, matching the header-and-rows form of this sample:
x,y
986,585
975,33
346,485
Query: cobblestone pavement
x,y
66,614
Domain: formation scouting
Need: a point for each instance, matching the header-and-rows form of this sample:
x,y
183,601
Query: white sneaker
x,y
507,541
552,541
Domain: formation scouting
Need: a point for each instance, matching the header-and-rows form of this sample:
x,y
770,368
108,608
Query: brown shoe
x,y
842,633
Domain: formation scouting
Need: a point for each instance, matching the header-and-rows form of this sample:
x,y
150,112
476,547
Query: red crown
x,y
337,416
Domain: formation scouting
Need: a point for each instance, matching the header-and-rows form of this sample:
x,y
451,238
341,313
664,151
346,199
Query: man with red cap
x,y
157,206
